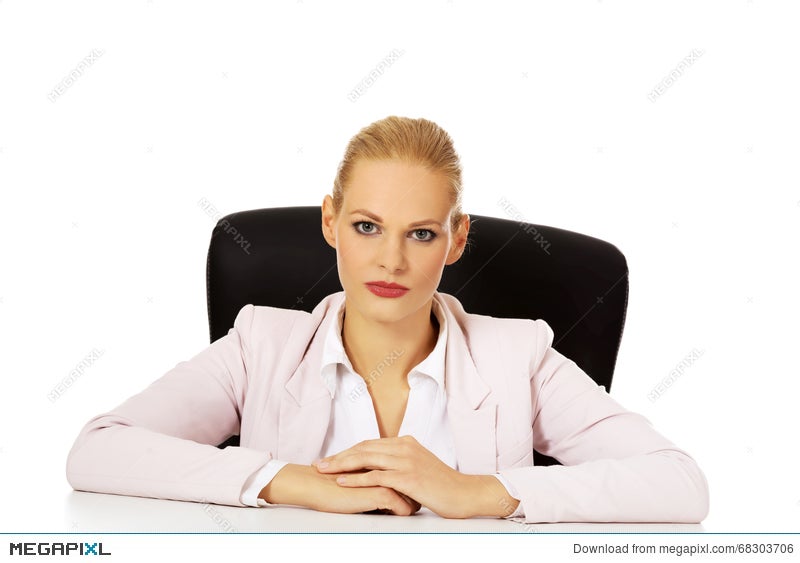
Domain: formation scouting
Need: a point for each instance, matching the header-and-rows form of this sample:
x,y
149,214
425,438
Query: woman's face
x,y
393,227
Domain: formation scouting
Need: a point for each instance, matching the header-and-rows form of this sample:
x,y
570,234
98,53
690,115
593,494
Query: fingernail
x,y
341,480
322,464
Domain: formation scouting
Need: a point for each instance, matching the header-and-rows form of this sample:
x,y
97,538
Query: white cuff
x,y
512,490
258,481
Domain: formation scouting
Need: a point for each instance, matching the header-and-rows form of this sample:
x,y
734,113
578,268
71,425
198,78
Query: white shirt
x,y
353,417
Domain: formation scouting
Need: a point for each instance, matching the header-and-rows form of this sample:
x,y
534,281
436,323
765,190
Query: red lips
x,y
383,289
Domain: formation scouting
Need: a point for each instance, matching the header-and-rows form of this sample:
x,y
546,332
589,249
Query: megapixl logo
x,y
83,548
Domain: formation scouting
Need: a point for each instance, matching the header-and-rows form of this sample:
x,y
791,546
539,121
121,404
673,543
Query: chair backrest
x,y
577,283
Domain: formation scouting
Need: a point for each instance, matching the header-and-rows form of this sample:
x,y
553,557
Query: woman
x,y
389,396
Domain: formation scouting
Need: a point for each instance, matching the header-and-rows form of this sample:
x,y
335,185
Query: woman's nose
x,y
391,254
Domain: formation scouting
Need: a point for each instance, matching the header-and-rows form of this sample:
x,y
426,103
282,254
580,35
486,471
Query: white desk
x,y
90,512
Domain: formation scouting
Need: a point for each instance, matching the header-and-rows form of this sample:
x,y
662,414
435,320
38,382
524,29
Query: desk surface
x,y
90,512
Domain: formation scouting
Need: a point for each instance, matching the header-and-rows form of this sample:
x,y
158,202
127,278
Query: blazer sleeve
x,y
161,443
616,467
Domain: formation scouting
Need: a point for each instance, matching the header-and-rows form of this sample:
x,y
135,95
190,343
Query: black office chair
x,y
578,284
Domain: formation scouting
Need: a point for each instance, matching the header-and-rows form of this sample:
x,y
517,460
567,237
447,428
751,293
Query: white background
x,y
103,244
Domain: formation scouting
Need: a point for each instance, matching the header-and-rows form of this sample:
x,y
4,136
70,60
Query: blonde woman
x,y
449,424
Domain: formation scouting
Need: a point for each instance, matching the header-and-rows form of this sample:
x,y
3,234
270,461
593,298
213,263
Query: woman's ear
x,y
459,241
328,221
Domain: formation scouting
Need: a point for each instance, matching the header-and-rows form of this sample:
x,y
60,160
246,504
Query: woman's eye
x,y
424,235
364,227
367,228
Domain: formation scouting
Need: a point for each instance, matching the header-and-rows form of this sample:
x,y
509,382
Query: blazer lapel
x,y
472,421
305,414
305,409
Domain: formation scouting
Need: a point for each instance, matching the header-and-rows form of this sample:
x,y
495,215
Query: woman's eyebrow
x,y
378,219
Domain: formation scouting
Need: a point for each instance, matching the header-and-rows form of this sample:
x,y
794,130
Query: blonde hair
x,y
416,141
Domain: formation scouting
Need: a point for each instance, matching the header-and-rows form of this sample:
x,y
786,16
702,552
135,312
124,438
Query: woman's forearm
x,y
485,495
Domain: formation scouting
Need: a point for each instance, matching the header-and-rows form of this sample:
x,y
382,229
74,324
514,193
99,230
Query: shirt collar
x,y
333,352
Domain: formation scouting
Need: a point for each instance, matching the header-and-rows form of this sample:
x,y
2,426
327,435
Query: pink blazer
x,y
508,392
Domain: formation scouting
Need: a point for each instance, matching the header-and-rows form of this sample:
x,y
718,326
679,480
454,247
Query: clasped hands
x,y
394,475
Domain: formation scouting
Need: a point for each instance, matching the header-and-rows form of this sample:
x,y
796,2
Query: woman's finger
x,y
357,460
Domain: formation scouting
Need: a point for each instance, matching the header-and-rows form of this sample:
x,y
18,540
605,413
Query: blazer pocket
x,y
518,455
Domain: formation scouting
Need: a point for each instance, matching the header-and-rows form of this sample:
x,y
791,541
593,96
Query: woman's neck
x,y
384,353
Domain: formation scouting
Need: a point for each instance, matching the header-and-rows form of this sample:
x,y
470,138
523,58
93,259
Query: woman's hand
x,y
303,485
407,467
